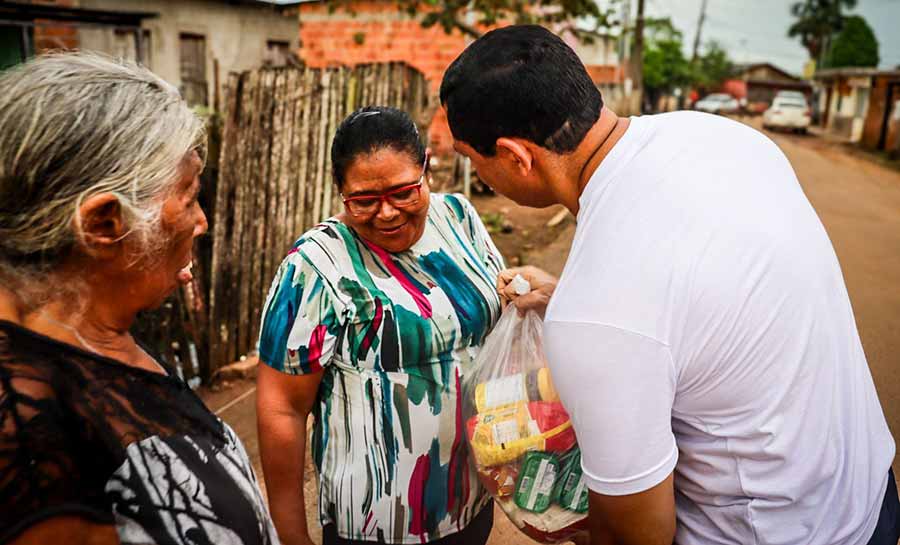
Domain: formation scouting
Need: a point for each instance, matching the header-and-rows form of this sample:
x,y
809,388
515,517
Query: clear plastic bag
x,y
520,436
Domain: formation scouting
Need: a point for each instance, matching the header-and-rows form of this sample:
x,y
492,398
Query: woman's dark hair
x,y
520,81
370,129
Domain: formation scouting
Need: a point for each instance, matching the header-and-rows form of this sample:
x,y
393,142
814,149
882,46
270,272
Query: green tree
x,y
855,45
665,66
712,68
816,22
455,14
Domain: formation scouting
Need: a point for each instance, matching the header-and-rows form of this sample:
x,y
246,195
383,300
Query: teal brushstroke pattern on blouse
x,y
394,334
284,301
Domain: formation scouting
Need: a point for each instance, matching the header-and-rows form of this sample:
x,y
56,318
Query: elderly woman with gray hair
x,y
99,443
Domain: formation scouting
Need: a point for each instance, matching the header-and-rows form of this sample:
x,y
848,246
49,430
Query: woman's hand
x,y
542,286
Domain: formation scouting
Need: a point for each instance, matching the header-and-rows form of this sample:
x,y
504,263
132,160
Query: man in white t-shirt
x,y
701,336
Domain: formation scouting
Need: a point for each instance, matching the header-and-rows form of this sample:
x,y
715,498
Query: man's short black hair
x,y
520,81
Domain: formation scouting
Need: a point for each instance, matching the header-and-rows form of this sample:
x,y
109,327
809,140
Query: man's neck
x,y
575,169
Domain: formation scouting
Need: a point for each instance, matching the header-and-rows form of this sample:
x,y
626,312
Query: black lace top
x,y
84,435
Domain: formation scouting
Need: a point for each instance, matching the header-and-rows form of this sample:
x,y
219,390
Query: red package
x,y
548,415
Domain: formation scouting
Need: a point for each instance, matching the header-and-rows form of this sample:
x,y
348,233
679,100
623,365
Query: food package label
x,y
536,482
500,392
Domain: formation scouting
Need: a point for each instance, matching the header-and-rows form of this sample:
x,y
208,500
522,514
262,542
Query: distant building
x,y
757,84
365,31
193,44
862,105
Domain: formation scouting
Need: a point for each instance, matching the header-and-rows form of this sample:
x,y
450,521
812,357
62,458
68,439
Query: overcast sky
x,y
756,30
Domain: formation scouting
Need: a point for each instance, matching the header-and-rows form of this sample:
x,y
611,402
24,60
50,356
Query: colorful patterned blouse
x,y
395,334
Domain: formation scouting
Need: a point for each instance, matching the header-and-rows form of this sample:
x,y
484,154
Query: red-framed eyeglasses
x,y
399,197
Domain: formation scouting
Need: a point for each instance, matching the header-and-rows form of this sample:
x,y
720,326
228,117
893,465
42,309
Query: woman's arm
x,y
283,404
68,529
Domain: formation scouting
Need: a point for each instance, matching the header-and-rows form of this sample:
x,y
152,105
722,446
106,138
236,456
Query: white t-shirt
x,y
702,325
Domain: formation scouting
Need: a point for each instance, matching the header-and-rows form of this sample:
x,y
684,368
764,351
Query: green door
x,y
11,45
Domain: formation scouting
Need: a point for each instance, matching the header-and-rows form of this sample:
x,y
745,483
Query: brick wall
x,y
379,33
49,36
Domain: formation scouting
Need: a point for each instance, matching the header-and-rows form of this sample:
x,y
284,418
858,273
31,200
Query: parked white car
x,y
788,112
717,103
791,94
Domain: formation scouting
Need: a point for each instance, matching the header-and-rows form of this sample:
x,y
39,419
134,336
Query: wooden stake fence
x,y
275,179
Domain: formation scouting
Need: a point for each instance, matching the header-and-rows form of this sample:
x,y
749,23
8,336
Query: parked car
x,y
788,112
718,103
791,94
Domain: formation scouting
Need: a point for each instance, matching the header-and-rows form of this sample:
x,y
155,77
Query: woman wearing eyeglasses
x,y
371,323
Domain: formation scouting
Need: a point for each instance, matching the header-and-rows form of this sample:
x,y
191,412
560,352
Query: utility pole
x,y
626,28
637,56
699,29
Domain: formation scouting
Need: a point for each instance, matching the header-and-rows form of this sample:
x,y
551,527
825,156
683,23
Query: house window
x,y
194,87
15,45
125,45
862,101
277,53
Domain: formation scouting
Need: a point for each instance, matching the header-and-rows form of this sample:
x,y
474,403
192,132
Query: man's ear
x,y
101,224
517,151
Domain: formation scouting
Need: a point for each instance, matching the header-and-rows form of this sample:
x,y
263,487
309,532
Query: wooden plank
x,y
263,211
245,256
222,212
395,93
304,143
291,118
361,84
237,165
401,85
352,92
336,102
366,86
312,165
379,79
280,157
322,145
386,84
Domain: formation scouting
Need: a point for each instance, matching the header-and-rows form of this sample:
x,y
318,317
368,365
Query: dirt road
x,y
857,199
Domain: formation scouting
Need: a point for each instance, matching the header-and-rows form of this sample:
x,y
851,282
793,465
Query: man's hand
x,y
542,286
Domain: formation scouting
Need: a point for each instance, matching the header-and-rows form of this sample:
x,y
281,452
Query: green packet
x,y
570,491
536,482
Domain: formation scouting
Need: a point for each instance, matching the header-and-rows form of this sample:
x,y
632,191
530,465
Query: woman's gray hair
x,y
76,125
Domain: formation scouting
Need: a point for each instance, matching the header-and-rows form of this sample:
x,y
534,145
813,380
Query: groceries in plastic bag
x,y
520,435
